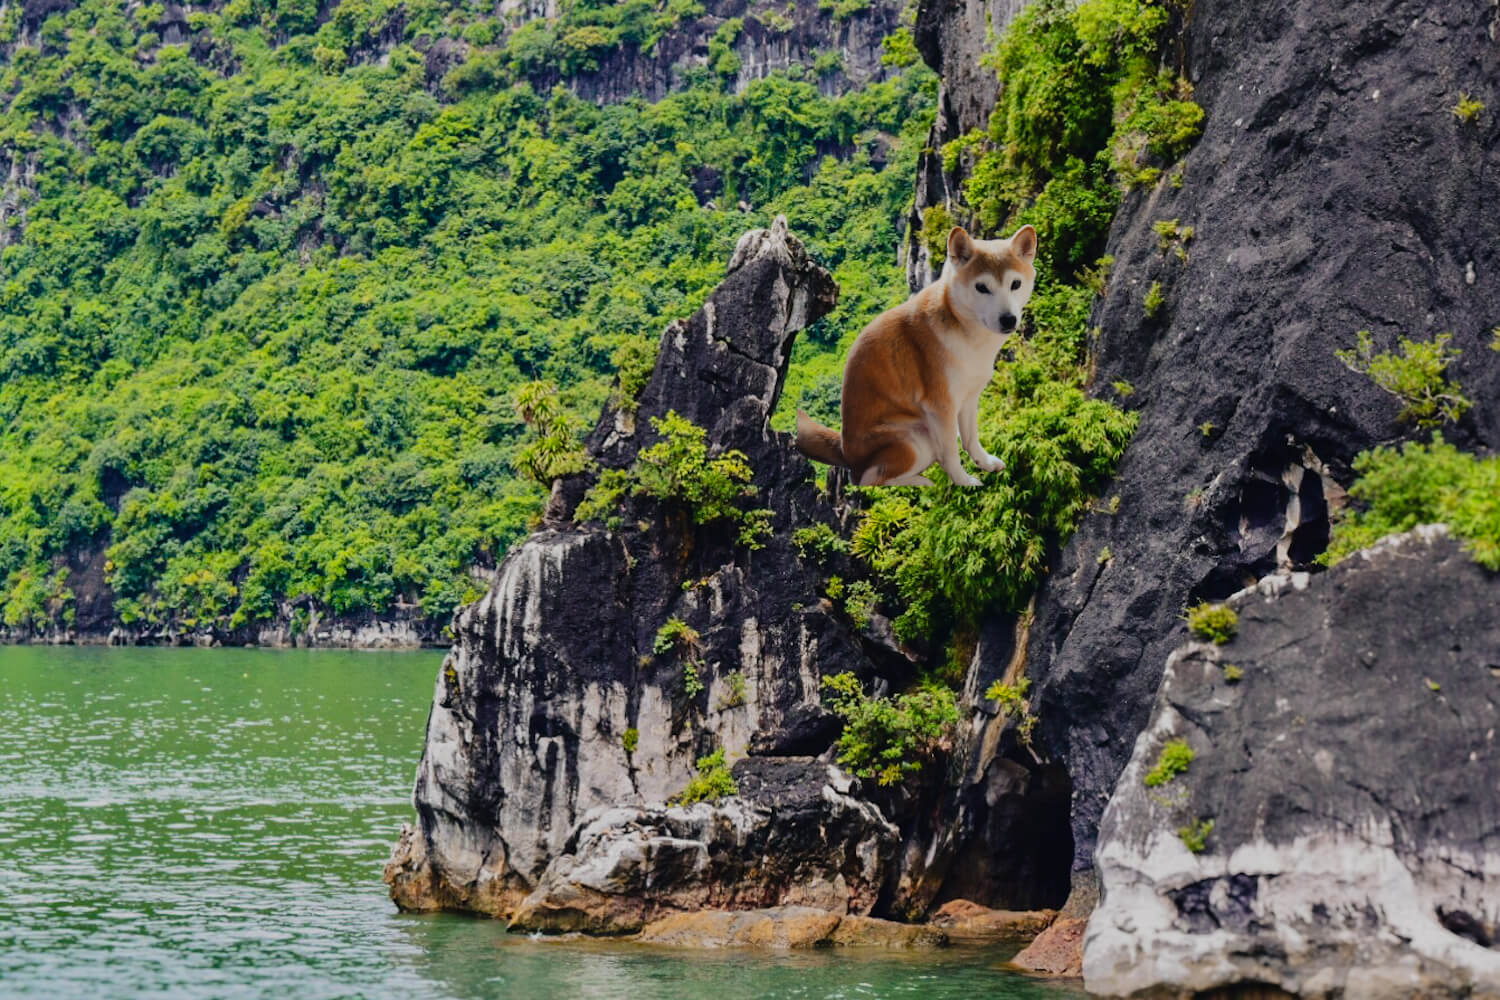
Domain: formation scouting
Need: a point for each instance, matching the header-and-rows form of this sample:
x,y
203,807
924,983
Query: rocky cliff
x,y
560,729
1343,761
844,47
529,781
1332,191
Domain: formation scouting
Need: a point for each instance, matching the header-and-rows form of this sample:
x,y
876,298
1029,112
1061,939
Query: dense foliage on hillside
x,y
269,292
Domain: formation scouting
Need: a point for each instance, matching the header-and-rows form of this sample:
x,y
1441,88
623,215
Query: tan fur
x,y
914,376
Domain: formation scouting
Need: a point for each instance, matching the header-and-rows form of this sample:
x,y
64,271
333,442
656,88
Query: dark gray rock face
x,y
1332,191
1349,776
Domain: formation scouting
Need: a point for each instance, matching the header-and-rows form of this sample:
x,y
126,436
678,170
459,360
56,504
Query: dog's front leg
x,y
949,458
968,428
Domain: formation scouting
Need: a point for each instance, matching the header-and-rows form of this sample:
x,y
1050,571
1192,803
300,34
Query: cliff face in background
x,y
773,37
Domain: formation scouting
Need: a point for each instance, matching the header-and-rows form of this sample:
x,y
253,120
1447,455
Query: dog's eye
x,y
982,288
1015,286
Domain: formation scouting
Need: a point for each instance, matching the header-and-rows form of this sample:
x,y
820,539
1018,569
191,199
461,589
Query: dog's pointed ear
x,y
960,245
1024,243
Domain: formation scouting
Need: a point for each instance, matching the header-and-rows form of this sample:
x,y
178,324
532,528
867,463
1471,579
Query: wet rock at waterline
x,y
1340,793
793,836
788,927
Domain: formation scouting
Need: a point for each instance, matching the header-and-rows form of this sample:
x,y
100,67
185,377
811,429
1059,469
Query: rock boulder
x,y
1340,796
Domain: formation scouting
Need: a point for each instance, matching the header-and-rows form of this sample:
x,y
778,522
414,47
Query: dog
x,y
914,375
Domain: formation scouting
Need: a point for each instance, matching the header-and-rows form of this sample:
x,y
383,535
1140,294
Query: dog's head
x,y
991,280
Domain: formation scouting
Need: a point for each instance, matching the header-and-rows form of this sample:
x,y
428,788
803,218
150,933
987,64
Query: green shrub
x,y
555,450
1013,704
1194,836
675,634
953,554
1173,760
712,783
1217,623
1422,484
692,680
1081,104
631,740
859,603
937,223
1467,110
899,49
819,542
678,468
889,738
1415,377
1154,300
1233,674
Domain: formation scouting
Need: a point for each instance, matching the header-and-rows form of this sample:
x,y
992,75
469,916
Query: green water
x,y
212,823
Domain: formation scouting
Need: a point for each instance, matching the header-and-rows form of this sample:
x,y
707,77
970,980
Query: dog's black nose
x,y
1007,321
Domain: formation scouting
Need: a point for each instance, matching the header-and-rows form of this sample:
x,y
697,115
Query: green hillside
x,y
268,293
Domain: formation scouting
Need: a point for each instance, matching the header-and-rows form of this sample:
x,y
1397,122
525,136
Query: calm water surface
x,y
212,823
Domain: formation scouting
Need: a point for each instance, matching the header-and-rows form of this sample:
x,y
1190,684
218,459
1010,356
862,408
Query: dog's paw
x,y
966,480
989,463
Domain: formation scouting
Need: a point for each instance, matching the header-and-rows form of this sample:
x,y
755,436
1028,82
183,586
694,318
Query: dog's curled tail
x,y
818,442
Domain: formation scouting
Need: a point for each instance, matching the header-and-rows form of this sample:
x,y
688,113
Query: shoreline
x,y
375,635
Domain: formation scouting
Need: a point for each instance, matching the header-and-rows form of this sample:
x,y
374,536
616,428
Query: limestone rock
x,y
1331,191
1349,778
793,837
527,761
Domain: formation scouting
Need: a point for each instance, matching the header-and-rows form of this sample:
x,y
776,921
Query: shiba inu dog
x,y
914,375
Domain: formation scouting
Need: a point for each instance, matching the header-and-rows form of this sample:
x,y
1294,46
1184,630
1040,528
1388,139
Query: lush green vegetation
x,y
1399,489
271,295
1194,836
1173,760
712,782
1416,376
888,738
1086,110
1215,623
678,469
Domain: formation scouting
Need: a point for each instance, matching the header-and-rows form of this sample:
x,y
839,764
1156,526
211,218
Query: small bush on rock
x,y
1172,761
889,738
1194,836
712,783
1415,377
1423,484
1216,623
679,468
554,450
